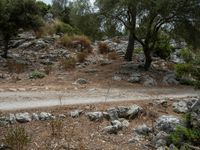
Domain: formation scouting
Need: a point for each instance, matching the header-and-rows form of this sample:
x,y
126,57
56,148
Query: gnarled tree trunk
x,y
148,59
5,51
130,48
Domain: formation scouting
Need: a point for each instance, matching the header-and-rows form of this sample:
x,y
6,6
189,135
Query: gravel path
x,y
35,99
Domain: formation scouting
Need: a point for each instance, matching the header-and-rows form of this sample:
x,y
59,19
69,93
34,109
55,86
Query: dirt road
x,y
35,99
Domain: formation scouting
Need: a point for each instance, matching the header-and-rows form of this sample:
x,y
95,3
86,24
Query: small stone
x,y
117,124
133,111
12,119
167,123
45,116
113,113
95,116
125,123
143,129
160,139
180,107
23,117
35,117
110,129
61,116
75,114
116,78
81,81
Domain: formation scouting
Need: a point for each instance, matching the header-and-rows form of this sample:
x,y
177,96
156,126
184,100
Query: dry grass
x,y
56,128
81,57
113,56
17,138
76,41
15,66
67,64
103,48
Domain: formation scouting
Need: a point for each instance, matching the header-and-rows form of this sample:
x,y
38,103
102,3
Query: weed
x,y
56,127
48,69
17,66
67,64
113,56
81,57
17,138
37,75
103,48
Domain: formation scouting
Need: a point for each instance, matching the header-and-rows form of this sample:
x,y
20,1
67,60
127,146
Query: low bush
x,y
17,138
76,41
183,69
67,64
103,48
186,54
16,66
138,50
113,56
56,127
48,69
37,75
81,57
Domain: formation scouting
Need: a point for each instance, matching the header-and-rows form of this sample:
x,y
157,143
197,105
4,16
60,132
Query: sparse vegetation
x,y
67,64
57,126
17,138
103,48
81,57
186,54
37,75
16,66
113,56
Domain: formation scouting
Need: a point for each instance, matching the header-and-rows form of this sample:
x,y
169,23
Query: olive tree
x,y
14,15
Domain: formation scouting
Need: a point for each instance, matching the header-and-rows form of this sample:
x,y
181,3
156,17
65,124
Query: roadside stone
x,y
125,123
23,117
143,130
75,113
117,124
3,121
35,117
180,107
167,123
104,62
113,114
160,139
170,79
111,130
106,115
162,102
61,116
81,81
149,82
133,111
95,116
135,78
116,78
45,116
122,111
12,119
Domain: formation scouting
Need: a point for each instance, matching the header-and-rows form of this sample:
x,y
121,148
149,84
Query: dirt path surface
x,y
35,99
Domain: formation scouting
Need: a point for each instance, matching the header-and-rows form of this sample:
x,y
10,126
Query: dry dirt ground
x,y
58,91
82,134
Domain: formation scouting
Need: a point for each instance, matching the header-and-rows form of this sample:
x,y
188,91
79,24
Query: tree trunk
x,y
148,59
5,52
130,48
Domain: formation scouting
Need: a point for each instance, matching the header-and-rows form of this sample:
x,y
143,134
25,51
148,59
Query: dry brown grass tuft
x,y
16,66
113,56
56,128
81,57
103,48
67,64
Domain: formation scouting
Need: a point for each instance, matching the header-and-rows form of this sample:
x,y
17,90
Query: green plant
x,y
184,135
186,54
56,127
138,50
37,75
17,138
67,64
183,69
103,48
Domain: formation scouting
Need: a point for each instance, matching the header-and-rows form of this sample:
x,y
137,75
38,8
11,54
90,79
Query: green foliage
x,y
162,47
17,138
186,54
138,50
183,69
43,8
37,75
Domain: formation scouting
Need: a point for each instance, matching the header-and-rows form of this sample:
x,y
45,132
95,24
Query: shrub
x,y
103,48
113,56
81,57
48,69
76,41
56,127
55,28
138,50
37,75
16,66
67,64
183,69
186,54
17,138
